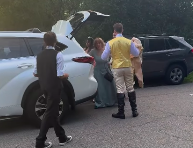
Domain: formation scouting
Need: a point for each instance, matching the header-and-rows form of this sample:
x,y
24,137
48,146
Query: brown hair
x,y
118,27
98,40
50,38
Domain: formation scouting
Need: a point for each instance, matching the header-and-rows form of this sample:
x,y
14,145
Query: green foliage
x,y
173,17
189,78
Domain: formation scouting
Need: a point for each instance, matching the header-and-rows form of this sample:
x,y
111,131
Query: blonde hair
x,y
137,43
98,40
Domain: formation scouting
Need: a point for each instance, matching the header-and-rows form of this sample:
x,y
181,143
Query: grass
x,y
189,78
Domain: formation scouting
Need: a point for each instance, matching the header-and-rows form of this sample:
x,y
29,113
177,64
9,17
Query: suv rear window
x,y
36,44
156,44
171,43
76,20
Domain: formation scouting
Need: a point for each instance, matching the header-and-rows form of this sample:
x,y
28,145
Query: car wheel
x,y
175,74
36,107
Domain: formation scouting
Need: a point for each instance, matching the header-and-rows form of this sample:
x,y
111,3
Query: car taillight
x,y
84,60
192,50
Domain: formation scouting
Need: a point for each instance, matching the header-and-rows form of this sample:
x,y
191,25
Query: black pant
x,y
51,118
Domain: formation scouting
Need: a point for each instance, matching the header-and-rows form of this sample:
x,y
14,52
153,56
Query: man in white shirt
x,y
49,70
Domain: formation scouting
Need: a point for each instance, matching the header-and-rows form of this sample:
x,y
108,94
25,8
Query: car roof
x,y
21,34
24,34
151,36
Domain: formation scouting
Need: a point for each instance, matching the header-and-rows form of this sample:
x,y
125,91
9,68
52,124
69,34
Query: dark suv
x,y
166,56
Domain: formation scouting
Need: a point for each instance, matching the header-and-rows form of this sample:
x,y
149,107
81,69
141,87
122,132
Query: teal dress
x,y
107,94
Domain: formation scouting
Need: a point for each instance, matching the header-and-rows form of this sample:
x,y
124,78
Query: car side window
x,y
156,45
167,44
13,48
171,44
36,45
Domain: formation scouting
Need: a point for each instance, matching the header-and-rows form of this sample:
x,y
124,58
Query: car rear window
x,y
171,43
36,44
182,41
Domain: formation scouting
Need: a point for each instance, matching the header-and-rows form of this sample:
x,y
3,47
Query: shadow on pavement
x,y
80,114
152,83
14,125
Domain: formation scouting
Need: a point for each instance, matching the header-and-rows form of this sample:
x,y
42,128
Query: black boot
x,y
121,104
132,100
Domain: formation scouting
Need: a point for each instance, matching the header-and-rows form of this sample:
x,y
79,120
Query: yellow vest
x,y
120,52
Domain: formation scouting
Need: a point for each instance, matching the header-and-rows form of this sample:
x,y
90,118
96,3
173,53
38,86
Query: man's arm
x,y
60,66
133,50
106,53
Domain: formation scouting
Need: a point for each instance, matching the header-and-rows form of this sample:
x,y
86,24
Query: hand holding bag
x,y
108,75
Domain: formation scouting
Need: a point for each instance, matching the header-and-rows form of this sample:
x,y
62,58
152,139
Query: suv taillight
x,y
192,50
86,59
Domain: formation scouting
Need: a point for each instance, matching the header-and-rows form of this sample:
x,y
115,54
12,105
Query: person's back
x,y
47,70
120,49
120,52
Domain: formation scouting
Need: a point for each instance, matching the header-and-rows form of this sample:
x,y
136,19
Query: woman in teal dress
x,y
107,95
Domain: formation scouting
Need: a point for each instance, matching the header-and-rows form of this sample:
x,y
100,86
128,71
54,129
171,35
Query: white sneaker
x,y
69,139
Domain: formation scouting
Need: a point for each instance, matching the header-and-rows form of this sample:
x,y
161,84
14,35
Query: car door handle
x,y
25,65
169,54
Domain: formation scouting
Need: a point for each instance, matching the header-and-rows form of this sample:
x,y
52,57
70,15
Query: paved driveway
x,y
165,121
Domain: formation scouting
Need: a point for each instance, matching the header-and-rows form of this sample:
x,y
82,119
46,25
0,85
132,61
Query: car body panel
x,y
16,80
156,63
16,77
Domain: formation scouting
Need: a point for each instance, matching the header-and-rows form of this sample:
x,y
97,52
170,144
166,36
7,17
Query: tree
x,y
173,17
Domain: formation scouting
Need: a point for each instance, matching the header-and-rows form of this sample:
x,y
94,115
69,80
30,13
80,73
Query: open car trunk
x,y
71,26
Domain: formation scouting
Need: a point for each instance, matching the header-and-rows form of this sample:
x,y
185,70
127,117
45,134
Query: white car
x,y
20,92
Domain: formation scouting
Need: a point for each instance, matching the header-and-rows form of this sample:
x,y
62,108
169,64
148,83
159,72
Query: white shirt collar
x,y
119,35
50,47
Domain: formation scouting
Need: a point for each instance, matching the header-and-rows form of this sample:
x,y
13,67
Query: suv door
x,y
156,57
13,62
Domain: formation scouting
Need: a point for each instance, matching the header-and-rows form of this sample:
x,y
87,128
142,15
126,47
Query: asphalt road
x,y
165,121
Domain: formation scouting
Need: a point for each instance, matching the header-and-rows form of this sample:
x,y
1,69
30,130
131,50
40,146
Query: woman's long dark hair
x,y
91,41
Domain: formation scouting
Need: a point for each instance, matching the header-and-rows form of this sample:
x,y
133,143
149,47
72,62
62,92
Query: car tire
x,y
31,112
175,75
73,105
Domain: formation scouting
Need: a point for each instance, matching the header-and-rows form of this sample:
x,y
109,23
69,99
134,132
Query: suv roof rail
x,y
145,35
34,30
12,31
